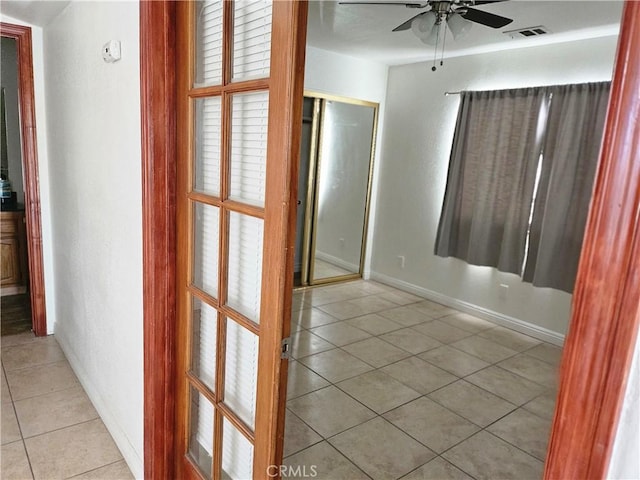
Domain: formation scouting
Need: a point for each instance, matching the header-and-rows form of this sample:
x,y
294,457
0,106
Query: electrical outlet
x,y
401,261
503,290
341,240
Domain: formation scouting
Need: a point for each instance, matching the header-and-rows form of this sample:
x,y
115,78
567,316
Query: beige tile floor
x,y
383,385
50,429
387,385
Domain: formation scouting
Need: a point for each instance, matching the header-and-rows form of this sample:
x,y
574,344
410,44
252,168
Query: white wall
x,y
419,127
625,463
12,115
94,150
336,74
43,168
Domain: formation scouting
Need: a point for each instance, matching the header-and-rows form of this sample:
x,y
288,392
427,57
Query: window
x,y
520,177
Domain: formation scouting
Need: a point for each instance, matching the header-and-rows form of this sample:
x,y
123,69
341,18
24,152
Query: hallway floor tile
x,y
50,429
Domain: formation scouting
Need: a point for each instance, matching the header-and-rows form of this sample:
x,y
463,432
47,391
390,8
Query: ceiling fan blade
x,y
406,25
484,2
485,18
407,4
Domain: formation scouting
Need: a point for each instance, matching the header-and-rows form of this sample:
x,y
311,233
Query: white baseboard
x,y
516,324
129,453
338,262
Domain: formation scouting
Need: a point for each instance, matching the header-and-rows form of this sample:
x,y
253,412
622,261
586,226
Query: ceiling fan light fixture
x,y
432,38
422,26
458,25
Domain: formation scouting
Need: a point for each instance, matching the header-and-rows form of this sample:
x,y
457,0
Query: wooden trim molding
x,y
26,100
606,303
158,91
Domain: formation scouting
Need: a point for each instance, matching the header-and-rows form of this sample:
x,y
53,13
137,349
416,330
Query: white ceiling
x,y
365,31
38,13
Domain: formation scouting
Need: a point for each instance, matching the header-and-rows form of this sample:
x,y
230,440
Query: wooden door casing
x,y
158,118
28,135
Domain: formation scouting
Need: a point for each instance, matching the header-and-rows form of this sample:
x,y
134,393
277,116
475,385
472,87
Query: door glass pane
x,y
249,120
237,454
245,265
203,355
241,372
206,226
201,439
251,39
207,156
208,43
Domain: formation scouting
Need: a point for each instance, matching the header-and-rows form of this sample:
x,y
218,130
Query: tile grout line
x,y
444,460
93,469
15,413
66,426
39,365
78,384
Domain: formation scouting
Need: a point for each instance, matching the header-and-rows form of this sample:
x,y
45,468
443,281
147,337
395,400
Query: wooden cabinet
x,y
13,253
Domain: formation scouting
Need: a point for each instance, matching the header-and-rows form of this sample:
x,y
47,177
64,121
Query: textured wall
x,y
94,148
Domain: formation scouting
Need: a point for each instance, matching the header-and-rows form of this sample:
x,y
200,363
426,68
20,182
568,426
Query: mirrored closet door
x,y
334,188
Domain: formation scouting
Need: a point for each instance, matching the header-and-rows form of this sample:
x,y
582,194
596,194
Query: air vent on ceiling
x,y
528,32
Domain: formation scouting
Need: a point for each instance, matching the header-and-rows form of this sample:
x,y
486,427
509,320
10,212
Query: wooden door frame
x,y
159,159
26,103
606,311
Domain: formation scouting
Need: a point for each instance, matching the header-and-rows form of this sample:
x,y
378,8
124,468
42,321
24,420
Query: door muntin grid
x,y
225,196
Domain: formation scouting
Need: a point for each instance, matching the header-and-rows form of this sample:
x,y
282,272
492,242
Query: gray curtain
x,y
570,155
492,171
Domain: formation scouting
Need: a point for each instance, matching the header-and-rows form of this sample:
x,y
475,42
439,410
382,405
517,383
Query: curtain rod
x,y
446,94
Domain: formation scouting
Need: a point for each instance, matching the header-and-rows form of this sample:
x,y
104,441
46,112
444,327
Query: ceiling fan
x,y
458,15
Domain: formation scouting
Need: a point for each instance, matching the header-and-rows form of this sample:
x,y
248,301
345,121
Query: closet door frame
x,y
315,166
